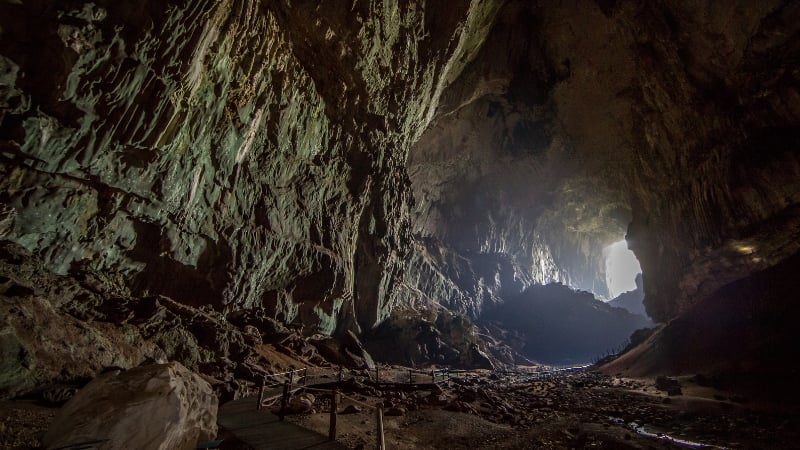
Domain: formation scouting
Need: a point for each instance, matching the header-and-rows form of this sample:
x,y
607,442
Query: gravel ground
x,y
570,410
481,411
22,424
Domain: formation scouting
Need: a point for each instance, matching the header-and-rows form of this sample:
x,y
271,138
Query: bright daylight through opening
x,y
621,268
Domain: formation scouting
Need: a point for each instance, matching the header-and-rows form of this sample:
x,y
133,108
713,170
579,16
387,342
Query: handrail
x,y
286,373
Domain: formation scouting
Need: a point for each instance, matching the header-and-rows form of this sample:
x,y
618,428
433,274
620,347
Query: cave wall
x,y
329,162
716,175
503,169
673,122
240,154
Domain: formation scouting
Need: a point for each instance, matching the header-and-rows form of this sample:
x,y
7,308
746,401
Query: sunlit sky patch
x,y
621,268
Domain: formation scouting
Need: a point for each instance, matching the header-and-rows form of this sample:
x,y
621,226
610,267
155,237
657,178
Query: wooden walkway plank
x,y
263,430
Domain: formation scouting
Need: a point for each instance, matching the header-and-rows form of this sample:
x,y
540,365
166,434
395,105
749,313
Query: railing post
x,y
379,435
334,407
305,376
261,393
291,378
284,400
410,379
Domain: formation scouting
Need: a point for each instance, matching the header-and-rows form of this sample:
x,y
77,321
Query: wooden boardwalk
x,y
262,430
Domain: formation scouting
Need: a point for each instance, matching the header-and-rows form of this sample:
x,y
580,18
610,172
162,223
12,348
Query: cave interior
x,y
423,184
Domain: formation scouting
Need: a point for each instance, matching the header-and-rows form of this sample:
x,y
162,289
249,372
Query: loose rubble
x,y
580,409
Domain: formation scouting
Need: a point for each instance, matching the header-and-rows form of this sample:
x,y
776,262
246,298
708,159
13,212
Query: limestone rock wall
x,y
499,171
436,275
226,152
673,122
716,161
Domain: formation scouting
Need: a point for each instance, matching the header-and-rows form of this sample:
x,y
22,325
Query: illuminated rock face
x,y
329,162
230,153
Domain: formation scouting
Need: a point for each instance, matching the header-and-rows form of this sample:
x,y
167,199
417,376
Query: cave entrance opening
x,y
621,268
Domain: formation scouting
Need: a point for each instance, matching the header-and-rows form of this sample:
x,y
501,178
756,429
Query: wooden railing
x,y
385,375
303,379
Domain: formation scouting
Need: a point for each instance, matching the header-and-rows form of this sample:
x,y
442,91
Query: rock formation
x,y
631,301
575,120
433,336
227,153
163,407
743,337
556,325
194,168
48,331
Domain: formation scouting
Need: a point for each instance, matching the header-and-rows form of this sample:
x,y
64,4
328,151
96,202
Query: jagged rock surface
x,y
42,343
225,152
432,336
61,331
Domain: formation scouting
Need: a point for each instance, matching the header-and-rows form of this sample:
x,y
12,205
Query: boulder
x,y
459,406
353,347
669,385
351,409
395,412
438,399
302,403
159,406
468,396
348,351
478,359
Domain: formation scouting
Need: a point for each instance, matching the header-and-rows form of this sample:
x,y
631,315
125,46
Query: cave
x,y
557,224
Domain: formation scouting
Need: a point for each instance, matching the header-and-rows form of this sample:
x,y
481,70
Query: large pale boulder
x,y
160,406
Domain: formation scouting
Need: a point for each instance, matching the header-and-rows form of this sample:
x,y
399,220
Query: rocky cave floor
x,y
571,410
480,409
